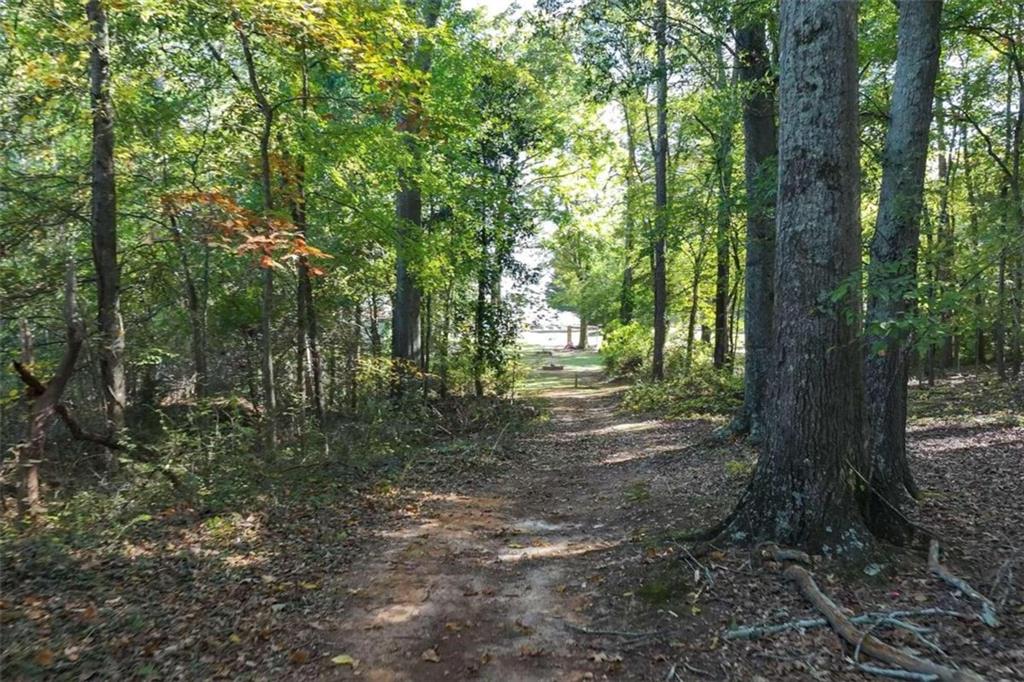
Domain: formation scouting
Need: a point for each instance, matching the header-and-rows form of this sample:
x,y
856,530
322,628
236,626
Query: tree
x,y
405,317
760,149
892,269
104,222
803,491
660,286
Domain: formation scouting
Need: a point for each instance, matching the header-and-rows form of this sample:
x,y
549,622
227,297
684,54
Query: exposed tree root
x,y
782,554
988,609
920,668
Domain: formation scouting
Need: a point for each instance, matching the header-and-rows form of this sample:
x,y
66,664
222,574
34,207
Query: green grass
x,y
584,365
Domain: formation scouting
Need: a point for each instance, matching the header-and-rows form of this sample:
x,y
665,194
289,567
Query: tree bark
x,y
375,344
660,197
944,235
405,320
723,219
892,268
626,302
584,333
760,150
267,298
802,493
104,222
44,401
196,305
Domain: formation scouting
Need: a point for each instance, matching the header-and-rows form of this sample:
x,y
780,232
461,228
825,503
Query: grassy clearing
x,y
582,366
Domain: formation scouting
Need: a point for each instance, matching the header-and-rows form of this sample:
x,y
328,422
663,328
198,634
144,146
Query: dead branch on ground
x,y
881,617
919,668
988,610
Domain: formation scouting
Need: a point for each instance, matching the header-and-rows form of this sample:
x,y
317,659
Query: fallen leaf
x,y
430,655
344,659
299,657
43,658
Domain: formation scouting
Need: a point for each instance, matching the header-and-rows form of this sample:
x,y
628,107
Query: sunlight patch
x,y
396,613
565,548
628,427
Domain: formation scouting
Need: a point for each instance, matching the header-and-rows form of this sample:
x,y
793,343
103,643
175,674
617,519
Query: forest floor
x,y
554,562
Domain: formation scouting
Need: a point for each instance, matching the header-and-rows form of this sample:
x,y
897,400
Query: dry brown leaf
x,y
43,658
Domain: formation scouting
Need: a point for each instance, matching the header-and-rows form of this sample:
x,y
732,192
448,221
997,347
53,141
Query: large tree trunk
x,y
893,264
405,315
760,150
104,222
584,333
660,199
802,493
405,320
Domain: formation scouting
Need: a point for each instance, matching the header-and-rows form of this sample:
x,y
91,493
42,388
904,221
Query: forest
x,y
464,339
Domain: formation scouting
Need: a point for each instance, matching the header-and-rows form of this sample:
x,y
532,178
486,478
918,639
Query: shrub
x,y
626,348
703,391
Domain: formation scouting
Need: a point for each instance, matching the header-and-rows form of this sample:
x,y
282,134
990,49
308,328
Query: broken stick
x,y
988,609
866,642
879,617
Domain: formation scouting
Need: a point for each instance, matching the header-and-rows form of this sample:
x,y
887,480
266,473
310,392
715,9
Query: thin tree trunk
x,y
723,218
760,150
802,493
892,268
104,222
660,198
945,237
691,320
999,328
352,358
196,313
479,321
626,292
445,335
267,299
979,298
375,344
584,332
45,399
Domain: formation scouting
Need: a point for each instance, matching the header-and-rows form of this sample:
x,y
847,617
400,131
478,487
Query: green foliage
x,y
702,392
626,348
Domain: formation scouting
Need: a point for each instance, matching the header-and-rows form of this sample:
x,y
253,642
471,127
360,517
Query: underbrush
x,y
209,458
207,561
702,391
626,349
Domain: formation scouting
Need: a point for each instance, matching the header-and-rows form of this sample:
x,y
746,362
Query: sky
x,y
536,311
494,7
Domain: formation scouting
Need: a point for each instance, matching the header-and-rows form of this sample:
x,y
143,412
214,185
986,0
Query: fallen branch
x,y
138,453
988,610
611,633
864,641
756,631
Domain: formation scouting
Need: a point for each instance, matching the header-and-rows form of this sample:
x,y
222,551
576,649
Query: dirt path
x,y
493,583
563,566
